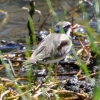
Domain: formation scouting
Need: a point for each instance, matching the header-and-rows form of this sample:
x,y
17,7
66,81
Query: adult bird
x,y
53,48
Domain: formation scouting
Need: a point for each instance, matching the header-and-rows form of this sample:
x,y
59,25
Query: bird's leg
x,y
47,69
55,71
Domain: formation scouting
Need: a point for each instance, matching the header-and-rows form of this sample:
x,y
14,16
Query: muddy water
x,y
14,26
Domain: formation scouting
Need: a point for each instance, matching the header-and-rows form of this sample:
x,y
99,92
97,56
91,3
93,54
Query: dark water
x,y
15,26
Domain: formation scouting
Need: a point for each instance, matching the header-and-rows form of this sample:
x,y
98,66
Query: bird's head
x,y
63,24
66,27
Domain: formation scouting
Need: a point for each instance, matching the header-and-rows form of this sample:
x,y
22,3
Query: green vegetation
x,y
32,87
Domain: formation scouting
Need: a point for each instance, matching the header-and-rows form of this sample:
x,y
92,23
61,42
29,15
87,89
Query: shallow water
x,y
15,25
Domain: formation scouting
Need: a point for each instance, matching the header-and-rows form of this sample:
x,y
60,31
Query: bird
x,y
52,48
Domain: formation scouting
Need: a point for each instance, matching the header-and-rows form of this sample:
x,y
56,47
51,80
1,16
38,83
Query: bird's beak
x,y
74,26
71,27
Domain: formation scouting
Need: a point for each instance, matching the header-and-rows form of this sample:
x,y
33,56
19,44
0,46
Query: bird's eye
x,y
66,28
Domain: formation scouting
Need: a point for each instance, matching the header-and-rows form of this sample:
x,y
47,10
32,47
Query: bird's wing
x,y
39,50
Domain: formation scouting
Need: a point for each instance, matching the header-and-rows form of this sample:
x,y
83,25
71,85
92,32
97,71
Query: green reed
x,y
94,48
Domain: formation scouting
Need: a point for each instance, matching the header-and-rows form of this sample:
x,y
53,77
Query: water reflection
x,y
15,27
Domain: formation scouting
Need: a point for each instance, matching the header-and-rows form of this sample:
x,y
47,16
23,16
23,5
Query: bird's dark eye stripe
x,y
63,43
